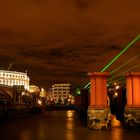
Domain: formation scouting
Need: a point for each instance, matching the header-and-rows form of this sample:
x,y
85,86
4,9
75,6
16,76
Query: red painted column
x,y
129,91
92,92
136,90
133,89
98,89
132,110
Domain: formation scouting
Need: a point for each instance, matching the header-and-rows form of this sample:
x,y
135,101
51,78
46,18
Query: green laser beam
x,y
120,79
123,72
124,64
87,85
126,48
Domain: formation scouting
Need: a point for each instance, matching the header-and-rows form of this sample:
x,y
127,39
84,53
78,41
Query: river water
x,y
60,125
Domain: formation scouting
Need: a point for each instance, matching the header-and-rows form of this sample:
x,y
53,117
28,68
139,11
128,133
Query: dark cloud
x,y
84,4
5,61
33,53
113,47
78,74
70,54
56,52
5,32
4,58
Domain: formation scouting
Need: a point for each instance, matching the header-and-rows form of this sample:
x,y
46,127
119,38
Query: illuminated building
x,y
61,90
12,78
34,89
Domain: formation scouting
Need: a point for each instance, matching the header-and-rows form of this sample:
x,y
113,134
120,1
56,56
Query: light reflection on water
x,y
70,120
70,113
25,135
117,130
117,134
63,125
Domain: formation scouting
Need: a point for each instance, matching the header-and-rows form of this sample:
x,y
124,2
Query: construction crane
x,y
10,66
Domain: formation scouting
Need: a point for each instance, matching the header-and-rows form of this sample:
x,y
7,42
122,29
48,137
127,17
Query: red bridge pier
x,y
98,114
132,110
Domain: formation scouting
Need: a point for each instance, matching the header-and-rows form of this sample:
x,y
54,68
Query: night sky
x,y
60,41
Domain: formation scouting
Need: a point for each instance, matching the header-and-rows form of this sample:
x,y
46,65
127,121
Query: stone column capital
x,y
98,74
132,74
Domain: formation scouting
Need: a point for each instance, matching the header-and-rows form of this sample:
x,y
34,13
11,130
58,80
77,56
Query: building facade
x,y
12,78
61,90
34,89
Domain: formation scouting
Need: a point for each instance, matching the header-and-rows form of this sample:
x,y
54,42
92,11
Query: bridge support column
x,y
19,98
132,110
98,114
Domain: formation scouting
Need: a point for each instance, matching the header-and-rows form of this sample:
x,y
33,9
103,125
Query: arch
x,y
6,95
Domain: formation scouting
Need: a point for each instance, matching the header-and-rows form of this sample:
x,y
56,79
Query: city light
x,y
115,94
117,87
39,102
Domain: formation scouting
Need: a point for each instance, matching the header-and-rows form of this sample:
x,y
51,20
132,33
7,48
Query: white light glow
x,y
117,87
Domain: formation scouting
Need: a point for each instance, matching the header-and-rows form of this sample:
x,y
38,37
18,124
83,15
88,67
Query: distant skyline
x,y
60,41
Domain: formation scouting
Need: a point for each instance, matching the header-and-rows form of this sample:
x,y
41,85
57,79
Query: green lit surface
x,y
125,49
78,92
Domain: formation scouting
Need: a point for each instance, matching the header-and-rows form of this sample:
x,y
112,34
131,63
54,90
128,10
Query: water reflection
x,y
70,113
117,134
64,125
117,130
70,120
69,136
41,130
25,135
